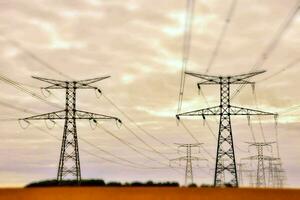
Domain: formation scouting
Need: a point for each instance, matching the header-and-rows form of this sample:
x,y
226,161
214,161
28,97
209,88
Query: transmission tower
x,y
225,110
278,174
271,171
241,169
69,163
222,175
260,157
252,178
189,179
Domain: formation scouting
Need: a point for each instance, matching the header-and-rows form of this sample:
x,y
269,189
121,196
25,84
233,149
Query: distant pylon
x,y
240,169
252,178
279,175
189,178
69,163
260,157
225,147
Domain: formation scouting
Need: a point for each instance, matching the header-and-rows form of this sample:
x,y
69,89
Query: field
x,y
91,193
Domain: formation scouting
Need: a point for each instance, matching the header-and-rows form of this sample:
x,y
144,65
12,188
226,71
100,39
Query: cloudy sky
x,y
139,44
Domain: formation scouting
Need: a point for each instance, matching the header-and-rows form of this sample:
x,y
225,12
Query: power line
x,y
288,66
192,135
33,56
225,147
144,142
259,120
273,43
57,138
69,162
133,164
189,158
221,36
128,144
20,87
290,109
208,125
102,150
45,64
16,108
88,152
186,47
134,123
27,91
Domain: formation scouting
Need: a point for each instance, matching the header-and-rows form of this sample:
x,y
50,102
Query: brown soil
x,y
93,193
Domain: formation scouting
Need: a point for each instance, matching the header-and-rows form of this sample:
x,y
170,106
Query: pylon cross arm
x,y
245,76
198,159
52,115
250,158
94,116
216,110
78,115
178,159
81,84
257,157
237,79
188,158
207,78
62,84
92,80
188,145
235,110
202,112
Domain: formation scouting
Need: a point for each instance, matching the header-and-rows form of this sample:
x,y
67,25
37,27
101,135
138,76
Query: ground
x,y
154,193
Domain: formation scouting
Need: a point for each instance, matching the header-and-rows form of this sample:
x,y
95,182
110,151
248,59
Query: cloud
x,y
139,43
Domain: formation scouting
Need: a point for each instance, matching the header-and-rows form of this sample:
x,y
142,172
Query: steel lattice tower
x,y
275,173
242,170
222,175
260,157
279,175
69,163
225,148
189,178
252,178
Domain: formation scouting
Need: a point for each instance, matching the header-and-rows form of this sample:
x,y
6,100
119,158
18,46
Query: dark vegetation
x,y
100,183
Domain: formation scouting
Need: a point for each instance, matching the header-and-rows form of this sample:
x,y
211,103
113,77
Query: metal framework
x,y
69,163
242,170
189,178
225,148
251,176
261,158
278,175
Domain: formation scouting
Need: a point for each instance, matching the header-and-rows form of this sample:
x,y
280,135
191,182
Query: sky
x,y
139,44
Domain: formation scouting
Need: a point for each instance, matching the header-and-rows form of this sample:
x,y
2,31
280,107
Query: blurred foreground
x,y
150,193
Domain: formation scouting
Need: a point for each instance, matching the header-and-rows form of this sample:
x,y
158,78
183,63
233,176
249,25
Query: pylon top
x,y
260,143
235,79
188,145
80,84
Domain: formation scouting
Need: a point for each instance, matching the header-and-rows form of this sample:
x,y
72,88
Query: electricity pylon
x,y
271,171
278,174
241,170
222,176
225,110
260,157
69,163
189,178
251,177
